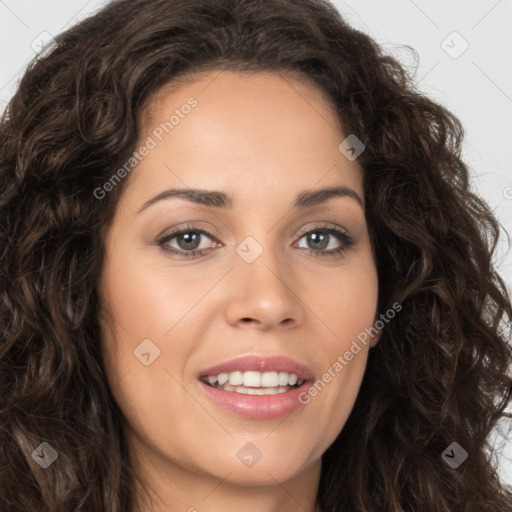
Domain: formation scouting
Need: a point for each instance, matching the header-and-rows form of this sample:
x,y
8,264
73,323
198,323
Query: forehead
x,y
250,131
228,89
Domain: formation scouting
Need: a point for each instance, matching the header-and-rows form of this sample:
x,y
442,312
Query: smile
x,y
256,387
254,383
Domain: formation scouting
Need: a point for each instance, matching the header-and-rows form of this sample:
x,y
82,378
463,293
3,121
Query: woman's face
x,y
269,280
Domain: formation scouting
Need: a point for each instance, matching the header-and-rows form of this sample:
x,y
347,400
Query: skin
x,y
264,138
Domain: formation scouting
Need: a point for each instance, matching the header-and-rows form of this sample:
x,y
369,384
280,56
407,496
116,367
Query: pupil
x,y
315,236
189,240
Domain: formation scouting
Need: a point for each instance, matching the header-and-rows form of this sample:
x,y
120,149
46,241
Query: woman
x,y
174,338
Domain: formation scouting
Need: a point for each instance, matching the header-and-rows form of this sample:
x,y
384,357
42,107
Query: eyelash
x,y
347,240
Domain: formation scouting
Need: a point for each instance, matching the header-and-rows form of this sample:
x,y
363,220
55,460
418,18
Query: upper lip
x,y
260,364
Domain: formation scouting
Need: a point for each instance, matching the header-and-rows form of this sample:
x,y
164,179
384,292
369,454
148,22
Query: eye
x,y
188,240
321,238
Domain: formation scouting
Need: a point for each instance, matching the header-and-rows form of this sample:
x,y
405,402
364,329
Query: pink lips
x,y
258,406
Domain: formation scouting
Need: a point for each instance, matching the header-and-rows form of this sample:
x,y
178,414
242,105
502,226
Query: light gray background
x,y
474,82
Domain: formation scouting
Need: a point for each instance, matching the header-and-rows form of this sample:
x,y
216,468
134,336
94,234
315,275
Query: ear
x,y
375,339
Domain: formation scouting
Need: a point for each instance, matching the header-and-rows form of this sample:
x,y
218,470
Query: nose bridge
x,y
260,260
263,280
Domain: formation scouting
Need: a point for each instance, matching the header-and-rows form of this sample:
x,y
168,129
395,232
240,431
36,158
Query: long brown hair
x,y
439,372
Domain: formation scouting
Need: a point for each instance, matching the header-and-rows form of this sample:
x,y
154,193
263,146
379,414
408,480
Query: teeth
x,y
270,379
282,378
252,379
236,378
255,391
222,378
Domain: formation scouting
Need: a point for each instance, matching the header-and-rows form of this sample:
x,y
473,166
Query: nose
x,y
265,292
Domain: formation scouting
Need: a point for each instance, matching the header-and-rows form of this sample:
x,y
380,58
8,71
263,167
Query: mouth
x,y
256,387
254,382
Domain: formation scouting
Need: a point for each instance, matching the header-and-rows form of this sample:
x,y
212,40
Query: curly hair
x,y
440,372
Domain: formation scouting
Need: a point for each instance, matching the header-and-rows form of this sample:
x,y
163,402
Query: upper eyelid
x,y
211,233
329,225
186,229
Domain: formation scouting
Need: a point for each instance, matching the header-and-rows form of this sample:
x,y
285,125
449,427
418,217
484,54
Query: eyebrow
x,y
217,199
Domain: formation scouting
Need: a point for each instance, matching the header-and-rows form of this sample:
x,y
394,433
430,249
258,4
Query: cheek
x,y
144,366
145,296
147,311
345,302
347,307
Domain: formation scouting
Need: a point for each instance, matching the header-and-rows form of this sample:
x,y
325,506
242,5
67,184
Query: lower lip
x,y
256,406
